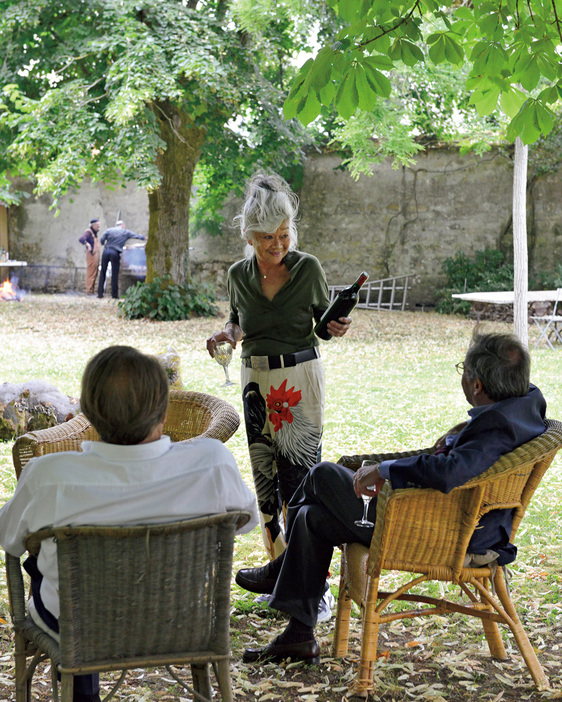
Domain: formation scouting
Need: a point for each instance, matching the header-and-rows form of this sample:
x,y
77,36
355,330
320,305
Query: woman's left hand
x,y
340,327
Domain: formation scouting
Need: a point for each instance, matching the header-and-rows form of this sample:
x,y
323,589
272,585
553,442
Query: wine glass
x,y
223,356
364,522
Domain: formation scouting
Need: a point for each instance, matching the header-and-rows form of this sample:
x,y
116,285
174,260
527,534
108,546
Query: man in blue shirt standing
x,y
114,239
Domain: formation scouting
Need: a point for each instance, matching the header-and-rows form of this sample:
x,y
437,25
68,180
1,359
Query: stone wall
x,y
396,222
405,221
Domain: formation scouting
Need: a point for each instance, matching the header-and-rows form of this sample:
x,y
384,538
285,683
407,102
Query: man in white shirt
x,y
134,475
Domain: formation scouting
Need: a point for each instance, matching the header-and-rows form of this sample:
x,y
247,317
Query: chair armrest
x,y
199,415
242,518
354,462
421,529
16,589
67,436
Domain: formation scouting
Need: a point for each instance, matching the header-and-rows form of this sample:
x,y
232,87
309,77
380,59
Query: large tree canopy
x,y
511,49
145,90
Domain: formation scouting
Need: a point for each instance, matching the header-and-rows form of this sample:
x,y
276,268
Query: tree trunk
x,y
167,249
520,264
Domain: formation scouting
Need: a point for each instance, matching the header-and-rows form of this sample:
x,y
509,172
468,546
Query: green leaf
x,y
453,51
490,24
367,97
437,50
485,102
403,50
530,133
511,102
545,118
327,94
294,102
380,83
377,61
310,109
411,54
547,68
433,38
321,70
347,96
530,77
464,13
524,124
349,9
339,64
548,95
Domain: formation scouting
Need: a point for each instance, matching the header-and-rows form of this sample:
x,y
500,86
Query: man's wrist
x,y
384,469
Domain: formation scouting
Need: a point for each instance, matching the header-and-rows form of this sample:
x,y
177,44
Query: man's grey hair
x,y
124,394
269,201
501,363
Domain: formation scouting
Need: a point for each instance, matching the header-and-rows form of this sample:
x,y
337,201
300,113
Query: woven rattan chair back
x,y
135,597
427,533
190,415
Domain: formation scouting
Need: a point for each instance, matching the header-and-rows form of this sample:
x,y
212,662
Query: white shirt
x,y
120,485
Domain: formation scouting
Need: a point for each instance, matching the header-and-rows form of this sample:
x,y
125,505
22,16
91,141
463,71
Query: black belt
x,y
287,360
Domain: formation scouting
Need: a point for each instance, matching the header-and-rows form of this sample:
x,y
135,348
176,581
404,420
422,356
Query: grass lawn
x,y
391,384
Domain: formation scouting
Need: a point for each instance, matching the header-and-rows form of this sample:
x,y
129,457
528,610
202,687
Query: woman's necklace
x,y
272,272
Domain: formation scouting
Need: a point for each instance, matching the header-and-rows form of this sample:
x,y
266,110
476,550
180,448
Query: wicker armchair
x,y
133,597
190,415
427,532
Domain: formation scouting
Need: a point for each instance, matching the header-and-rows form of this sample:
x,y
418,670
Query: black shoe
x,y
306,651
259,580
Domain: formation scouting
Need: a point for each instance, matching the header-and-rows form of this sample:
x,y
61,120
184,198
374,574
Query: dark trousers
x,y
320,516
115,258
83,684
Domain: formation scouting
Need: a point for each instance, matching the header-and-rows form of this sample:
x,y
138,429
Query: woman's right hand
x,y
228,334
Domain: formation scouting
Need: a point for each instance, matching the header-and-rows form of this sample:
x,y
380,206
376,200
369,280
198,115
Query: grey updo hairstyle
x,y
269,201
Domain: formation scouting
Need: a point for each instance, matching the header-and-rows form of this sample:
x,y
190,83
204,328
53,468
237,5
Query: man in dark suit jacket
x,y
506,412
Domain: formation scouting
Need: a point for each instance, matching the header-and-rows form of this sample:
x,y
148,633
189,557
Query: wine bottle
x,y
342,305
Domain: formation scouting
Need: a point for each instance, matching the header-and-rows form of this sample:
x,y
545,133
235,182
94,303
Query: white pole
x,y
520,260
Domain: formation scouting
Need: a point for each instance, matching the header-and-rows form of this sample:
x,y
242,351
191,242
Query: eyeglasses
x,y
460,367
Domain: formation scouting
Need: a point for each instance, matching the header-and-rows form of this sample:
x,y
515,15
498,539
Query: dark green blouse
x,y
284,324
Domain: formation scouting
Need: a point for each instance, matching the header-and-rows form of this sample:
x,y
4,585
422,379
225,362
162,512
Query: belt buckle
x,y
259,363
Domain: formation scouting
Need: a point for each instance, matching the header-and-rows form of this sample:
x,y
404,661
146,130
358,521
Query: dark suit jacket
x,y
493,430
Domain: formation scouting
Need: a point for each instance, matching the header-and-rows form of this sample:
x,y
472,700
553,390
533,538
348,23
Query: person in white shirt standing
x,y
134,475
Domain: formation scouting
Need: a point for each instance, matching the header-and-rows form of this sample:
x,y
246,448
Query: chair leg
x,y
22,682
492,632
66,687
556,332
223,677
341,629
54,682
527,651
544,334
201,680
494,639
364,684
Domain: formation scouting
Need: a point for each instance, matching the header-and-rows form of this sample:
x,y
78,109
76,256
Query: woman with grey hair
x,y
276,295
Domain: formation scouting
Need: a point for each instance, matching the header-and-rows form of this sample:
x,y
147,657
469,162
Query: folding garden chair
x,y
549,324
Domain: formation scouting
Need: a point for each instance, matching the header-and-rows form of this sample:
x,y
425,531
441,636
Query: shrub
x,y
166,301
547,280
487,271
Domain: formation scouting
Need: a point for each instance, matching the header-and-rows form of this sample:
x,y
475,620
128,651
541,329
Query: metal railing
x,y
382,294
